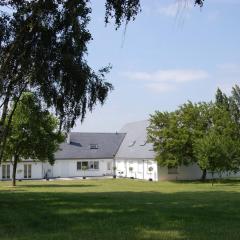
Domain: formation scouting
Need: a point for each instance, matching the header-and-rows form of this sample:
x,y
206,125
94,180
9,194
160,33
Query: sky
x,y
170,54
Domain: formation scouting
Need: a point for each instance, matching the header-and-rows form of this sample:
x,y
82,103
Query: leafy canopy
x,y
34,132
204,133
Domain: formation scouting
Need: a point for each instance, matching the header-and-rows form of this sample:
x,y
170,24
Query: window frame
x,y
96,162
79,164
94,146
6,171
27,171
91,165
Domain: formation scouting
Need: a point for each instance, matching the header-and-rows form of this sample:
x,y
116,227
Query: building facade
x,y
124,154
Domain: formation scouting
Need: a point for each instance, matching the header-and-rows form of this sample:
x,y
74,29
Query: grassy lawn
x,y
119,209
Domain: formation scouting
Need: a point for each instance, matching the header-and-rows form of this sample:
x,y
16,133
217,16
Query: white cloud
x,y
167,80
171,75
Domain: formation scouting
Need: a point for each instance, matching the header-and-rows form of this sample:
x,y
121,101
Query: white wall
x,y
140,168
140,171
62,168
68,168
184,173
36,169
191,172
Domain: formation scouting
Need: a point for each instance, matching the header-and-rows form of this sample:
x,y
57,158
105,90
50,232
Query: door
x,y
6,171
27,171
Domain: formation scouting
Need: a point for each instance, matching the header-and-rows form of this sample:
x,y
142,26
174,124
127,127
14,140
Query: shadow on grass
x,y
56,185
119,215
232,182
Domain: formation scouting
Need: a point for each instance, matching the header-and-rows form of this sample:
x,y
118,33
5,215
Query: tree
x,y
33,133
221,99
218,153
205,133
219,149
43,47
173,134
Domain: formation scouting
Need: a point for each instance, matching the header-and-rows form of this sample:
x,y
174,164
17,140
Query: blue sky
x,y
170,54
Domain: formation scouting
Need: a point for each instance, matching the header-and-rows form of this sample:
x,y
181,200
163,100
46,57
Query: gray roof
x,y
79,147
134,145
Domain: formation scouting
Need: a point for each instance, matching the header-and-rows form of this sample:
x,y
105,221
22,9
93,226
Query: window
x,y
3,171
27,170
172,170
85,165
93,146
92,165
96,165
79,165
6,171
109,166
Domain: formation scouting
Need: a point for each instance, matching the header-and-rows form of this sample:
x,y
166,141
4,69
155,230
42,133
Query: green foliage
x,y
205,133
126,10
121,11
44,47
33,132
221,99
173,134
217,153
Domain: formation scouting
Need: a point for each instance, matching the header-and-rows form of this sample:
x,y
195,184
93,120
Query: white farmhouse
x,y
84,154
135,158
125,154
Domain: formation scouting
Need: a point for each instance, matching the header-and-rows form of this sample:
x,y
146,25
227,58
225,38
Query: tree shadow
x,y
226,181
56,185
119,215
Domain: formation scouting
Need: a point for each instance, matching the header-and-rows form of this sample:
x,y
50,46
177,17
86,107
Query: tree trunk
x,y
2,121
204,174
212,178
6,129
5,109
15,161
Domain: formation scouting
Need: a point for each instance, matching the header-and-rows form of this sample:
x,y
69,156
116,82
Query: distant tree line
x,y
205,133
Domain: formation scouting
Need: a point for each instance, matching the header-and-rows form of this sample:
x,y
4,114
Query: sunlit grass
x,y
119,209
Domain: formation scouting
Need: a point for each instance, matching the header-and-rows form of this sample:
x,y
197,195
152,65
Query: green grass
x,y
119,209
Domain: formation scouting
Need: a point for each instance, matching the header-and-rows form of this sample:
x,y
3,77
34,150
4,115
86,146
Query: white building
x,y
84,154
135,158
126,154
